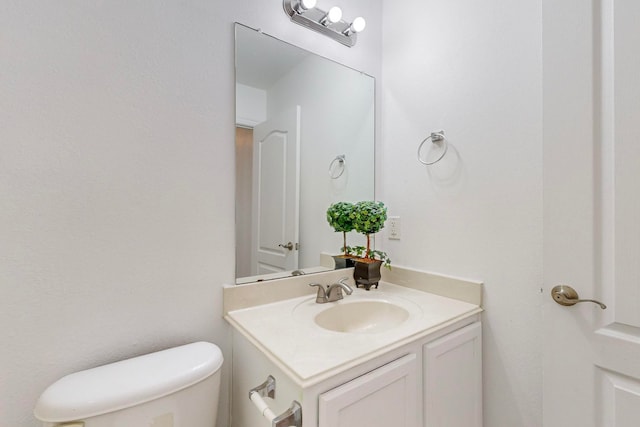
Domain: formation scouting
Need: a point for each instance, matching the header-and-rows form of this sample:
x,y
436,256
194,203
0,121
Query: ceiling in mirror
x,y
304,139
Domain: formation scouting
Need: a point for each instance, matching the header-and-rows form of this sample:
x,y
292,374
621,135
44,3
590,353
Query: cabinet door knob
x,y
566,295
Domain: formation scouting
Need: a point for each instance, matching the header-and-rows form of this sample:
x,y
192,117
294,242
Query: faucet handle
x,y
334,293
321,296
345,286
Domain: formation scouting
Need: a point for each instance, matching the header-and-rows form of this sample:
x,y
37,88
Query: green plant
x,y
355,250
359,251
340,217
369,218
382,256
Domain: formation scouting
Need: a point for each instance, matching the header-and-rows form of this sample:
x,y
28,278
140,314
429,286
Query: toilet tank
x,y
178,387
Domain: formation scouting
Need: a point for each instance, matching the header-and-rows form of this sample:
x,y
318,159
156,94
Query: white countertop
x,y
286,333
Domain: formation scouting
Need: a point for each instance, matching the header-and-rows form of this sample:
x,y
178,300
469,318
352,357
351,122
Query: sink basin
x,y
362,317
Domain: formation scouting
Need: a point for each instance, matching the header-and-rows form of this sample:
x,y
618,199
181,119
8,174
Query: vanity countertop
x,y
285,330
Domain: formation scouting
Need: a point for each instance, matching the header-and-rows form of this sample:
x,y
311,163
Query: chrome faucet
x,y
321,297
334,292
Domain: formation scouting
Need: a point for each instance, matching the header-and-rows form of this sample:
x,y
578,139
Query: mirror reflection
x,y
304,139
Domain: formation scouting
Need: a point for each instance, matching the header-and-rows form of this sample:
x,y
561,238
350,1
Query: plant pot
x,y
367,272
343,261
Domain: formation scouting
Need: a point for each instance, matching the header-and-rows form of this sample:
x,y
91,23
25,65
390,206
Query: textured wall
x,y
116,178
474,70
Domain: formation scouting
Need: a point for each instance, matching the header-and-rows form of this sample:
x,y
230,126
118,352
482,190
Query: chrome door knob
x,y
566,295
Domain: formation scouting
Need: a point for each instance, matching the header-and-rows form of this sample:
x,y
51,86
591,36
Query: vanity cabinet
x,y
387,396
432,381
452,379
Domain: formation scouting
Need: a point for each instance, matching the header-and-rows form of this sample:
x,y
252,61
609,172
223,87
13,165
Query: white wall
x,y
116,172
251,109
473,69
251,105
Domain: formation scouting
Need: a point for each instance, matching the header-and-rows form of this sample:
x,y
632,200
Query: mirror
x,y
304,139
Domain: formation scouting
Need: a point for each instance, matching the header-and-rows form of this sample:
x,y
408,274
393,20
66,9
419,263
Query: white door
x,y
591,108
276,188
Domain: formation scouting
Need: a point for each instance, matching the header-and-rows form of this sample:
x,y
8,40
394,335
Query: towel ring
x,y
342,164
435,137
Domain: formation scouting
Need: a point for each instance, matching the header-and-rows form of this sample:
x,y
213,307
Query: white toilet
x,y
178,387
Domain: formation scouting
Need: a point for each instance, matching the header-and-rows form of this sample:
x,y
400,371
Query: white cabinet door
x,y
385,397
453,379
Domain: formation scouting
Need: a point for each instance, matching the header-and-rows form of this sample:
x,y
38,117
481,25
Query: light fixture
x,y
329,23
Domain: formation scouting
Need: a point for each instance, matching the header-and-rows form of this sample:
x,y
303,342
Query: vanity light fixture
x,y
329,23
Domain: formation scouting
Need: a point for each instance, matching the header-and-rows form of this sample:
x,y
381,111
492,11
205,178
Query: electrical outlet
x,y
394,227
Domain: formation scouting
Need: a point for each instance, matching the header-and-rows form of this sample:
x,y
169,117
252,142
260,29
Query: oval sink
x,y
362,317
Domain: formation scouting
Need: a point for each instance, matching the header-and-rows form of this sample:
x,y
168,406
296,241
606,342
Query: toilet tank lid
x,y
127,383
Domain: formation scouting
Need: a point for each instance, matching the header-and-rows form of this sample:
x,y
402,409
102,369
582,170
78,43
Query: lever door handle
x,y
566,295
286,245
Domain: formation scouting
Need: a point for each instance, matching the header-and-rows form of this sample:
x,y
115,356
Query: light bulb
x,y
358,24
304,5
334,15
308,4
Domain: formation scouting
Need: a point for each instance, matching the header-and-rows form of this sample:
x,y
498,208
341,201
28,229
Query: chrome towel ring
x,y
436,138
340,166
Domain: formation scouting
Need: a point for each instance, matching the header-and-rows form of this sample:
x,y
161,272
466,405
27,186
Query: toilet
x,y
178,387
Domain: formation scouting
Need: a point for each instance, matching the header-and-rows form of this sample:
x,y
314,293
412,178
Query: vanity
x,y
405,355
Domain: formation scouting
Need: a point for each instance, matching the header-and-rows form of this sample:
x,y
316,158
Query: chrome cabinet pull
x,y
566,295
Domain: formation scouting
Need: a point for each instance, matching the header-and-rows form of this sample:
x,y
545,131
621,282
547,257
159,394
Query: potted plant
x,y
368,219
340,217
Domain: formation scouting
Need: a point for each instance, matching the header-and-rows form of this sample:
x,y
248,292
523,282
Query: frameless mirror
x,y
304,139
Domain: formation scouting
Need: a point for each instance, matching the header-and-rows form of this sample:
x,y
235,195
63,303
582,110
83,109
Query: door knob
x,y
286,246
566,295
